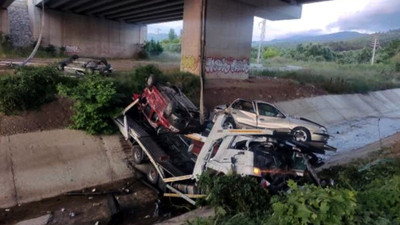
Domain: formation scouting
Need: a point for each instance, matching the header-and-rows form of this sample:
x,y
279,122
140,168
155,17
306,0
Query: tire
x,y
301,134
229,123
169,110
151,81
89,70
152,175
138,155
60,67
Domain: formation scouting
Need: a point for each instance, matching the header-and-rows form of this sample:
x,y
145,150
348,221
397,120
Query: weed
x,y
28,89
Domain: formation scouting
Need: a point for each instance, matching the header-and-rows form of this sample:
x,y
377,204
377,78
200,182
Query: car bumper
x,y
319,137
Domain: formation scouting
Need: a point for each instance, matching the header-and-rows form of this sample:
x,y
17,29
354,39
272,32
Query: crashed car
x,y
81,66
167,109
260,114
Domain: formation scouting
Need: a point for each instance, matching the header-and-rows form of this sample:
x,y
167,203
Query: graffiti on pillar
x,y
227,65
71,49
189,63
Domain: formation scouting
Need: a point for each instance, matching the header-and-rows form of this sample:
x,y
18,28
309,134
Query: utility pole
x,y
262,37
374,50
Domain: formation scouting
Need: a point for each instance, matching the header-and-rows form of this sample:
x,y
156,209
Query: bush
x,y
51,50
367,195
28,89
95,99
313,205
153,48
397,67
235,194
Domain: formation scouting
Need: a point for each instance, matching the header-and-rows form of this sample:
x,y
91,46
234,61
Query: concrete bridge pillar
x,y
4,23
227,32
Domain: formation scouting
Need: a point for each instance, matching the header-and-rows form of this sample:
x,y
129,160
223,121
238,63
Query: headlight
x,y
256,172
323,130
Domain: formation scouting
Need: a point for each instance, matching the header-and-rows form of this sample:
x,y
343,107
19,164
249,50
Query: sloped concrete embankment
x,y
331,110
39,165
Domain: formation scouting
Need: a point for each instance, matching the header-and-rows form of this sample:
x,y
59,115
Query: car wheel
x,y
229,123
138,155
152,175
89,70
60,67
301,134
151,81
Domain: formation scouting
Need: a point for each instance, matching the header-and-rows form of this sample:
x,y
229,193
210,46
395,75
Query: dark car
x,y
167,109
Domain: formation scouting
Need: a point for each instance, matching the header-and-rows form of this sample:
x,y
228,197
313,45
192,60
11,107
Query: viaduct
x,y
216,39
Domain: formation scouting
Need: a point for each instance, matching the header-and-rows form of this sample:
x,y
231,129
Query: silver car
x,y
259,114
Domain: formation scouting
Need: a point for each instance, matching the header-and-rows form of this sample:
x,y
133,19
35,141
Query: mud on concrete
x,y
137,205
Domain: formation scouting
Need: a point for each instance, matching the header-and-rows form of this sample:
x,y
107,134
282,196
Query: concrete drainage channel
x,y
41,165
353,120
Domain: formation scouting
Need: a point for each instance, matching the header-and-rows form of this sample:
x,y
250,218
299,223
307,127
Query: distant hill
x,y
157,37
347,40
295,40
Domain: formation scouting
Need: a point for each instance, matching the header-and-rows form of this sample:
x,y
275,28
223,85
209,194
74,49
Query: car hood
x,y
299,121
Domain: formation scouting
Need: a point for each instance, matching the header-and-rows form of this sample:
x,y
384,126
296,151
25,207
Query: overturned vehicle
x,y
174,161
79,67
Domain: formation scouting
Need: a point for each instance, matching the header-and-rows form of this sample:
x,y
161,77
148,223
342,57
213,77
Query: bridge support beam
x,y
4,22
228,27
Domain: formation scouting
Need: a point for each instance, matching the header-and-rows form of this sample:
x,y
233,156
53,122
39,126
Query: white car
x,y
260,114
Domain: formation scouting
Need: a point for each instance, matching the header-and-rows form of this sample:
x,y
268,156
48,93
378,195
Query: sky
x,y
366,16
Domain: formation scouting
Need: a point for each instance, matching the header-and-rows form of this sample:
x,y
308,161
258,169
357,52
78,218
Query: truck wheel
x,y
229,123
138,154
151,81
152,175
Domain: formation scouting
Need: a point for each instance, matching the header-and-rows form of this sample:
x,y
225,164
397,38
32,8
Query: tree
x,y
171,35
270,53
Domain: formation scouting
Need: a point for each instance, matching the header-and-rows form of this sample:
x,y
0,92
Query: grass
x,y
336,78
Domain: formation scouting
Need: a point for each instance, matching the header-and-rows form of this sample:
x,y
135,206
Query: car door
x,y
244,113
270,117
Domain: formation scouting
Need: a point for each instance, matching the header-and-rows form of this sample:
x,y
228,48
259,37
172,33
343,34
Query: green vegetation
x,y
95,99
173,43
366,195
98,99
337,67
153,48
28,89
336,78
270,52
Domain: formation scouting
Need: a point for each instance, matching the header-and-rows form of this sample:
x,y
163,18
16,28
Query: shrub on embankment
x,y
339,79
98,99
369,195
28,88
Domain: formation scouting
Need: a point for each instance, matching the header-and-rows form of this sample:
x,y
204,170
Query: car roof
x,y
256,101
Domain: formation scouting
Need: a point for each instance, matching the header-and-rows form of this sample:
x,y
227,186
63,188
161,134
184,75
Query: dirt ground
x,y
53,115
219,92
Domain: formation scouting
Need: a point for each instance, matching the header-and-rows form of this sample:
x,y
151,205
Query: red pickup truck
x,y
167,109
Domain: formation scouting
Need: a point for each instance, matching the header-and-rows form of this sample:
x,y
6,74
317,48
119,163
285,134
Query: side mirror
x,y
280,115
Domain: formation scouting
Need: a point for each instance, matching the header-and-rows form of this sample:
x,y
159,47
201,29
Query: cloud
x,y
378,15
